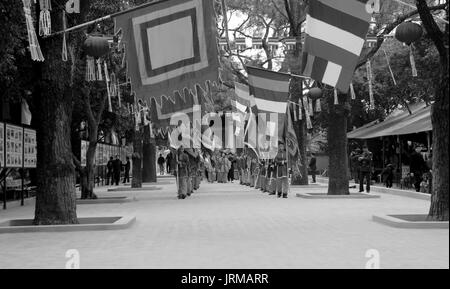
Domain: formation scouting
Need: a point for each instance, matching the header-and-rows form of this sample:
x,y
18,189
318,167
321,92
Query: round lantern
x,y
315,93
96,46
408,32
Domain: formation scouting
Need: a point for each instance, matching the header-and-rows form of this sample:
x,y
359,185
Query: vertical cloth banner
x,y
171,52
335,36
271,91
292,145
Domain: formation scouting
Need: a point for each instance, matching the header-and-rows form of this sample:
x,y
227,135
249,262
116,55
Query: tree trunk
x,y
87,187
296,14
301,131
439,209
338,182
136,181
56,196
149,158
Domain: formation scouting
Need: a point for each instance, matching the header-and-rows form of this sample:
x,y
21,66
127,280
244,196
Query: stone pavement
x,y
231,226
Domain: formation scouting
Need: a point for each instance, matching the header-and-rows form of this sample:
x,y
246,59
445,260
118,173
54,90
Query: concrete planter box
x,y
390,191
86,224
129,189
310,186
409,222
326,196
104,200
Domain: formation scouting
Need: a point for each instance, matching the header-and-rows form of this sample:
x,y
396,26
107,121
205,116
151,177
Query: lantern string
x,y
45,24
413,61
352,91
300,113
99,70
318,105
310,106
90,69
35,49
64,44
369,78
293,110
336,99
307,115
389,66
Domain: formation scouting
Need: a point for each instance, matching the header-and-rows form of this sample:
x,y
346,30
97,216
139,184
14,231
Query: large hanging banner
x,y
335,36
172,54
30,148
14,146
2,144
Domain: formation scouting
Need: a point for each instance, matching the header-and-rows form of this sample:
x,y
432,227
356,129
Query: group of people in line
x,y
190,167
362,170
187,166
113,169
269,176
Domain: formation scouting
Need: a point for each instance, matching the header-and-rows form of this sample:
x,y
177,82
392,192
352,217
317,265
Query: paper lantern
x,y
408,32
315,93
96,46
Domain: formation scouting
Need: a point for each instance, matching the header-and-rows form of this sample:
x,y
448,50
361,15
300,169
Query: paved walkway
x,y
231,226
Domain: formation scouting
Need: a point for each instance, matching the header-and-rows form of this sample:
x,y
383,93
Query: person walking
x,y
313,167
262,176
161,162
183,173
169,163
388,175
109,172
417,166
365,169
282,172
126,177
232,161
354,164
272,179
117,167
227,168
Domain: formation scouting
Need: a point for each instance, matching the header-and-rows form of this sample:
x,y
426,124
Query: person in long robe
x,y
282,172
183,173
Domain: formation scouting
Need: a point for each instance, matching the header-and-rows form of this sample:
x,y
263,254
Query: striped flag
x,y
271,91
335,35
243,98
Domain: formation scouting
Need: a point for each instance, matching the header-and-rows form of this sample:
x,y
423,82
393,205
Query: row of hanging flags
x,y
172,57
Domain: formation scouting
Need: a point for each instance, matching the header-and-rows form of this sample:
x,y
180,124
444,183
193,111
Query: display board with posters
x,y
105,154
14,146
123,154
29,148
84,148
2,144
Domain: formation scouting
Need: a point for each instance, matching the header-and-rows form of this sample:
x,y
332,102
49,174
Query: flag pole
x,y
287,150
101,19
284,73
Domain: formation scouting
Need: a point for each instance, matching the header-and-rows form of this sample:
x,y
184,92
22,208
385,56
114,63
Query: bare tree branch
x,y
388,29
